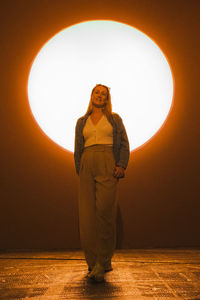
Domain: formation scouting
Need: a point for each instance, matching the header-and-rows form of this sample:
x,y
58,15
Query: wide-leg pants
x,y
97,204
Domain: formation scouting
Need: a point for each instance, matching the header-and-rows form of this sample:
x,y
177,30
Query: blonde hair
x,y
108,106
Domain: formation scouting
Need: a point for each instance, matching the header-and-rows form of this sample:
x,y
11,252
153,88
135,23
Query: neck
x,y
98,108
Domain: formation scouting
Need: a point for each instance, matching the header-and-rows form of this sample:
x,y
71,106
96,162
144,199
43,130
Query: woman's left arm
x,y
124,150
124,147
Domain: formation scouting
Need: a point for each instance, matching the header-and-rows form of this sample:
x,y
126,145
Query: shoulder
x,y
116,116
79,120
84,117
79,123
118,121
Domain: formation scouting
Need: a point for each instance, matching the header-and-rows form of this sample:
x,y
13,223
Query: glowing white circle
x,y
72,62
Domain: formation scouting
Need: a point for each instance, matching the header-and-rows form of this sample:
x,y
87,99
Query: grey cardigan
x,y
121,148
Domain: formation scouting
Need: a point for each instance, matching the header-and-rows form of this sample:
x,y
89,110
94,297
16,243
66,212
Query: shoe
x,y
108,269
97,273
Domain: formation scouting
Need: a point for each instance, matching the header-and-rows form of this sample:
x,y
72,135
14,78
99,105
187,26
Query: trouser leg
x,y
87,209
106,208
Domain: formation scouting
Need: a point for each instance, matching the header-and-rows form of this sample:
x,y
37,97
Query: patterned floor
x,y
137,274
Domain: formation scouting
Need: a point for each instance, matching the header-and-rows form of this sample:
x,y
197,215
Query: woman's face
x,y
99,95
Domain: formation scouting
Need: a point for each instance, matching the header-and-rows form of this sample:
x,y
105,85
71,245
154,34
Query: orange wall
x,y
159,199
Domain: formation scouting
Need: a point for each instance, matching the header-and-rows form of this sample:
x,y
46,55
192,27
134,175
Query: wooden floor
x,y
137,274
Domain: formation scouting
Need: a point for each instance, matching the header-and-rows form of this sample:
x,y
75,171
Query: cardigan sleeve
x,y
77,146
124,148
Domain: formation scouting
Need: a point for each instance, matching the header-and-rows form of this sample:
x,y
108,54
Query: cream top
x,y
101,133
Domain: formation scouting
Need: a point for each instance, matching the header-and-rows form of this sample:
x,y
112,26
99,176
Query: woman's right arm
x,y
77,150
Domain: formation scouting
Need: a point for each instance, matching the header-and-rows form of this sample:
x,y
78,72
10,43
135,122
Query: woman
x,y
101,156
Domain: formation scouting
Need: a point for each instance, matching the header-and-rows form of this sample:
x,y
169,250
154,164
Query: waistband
x,y
98,147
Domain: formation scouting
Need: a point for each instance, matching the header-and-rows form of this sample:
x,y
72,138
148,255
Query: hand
x,y
118,172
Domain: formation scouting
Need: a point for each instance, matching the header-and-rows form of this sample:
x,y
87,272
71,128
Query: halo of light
x,y
73,61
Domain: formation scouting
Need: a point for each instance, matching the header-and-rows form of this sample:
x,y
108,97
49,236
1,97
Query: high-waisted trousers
x,y
97,204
